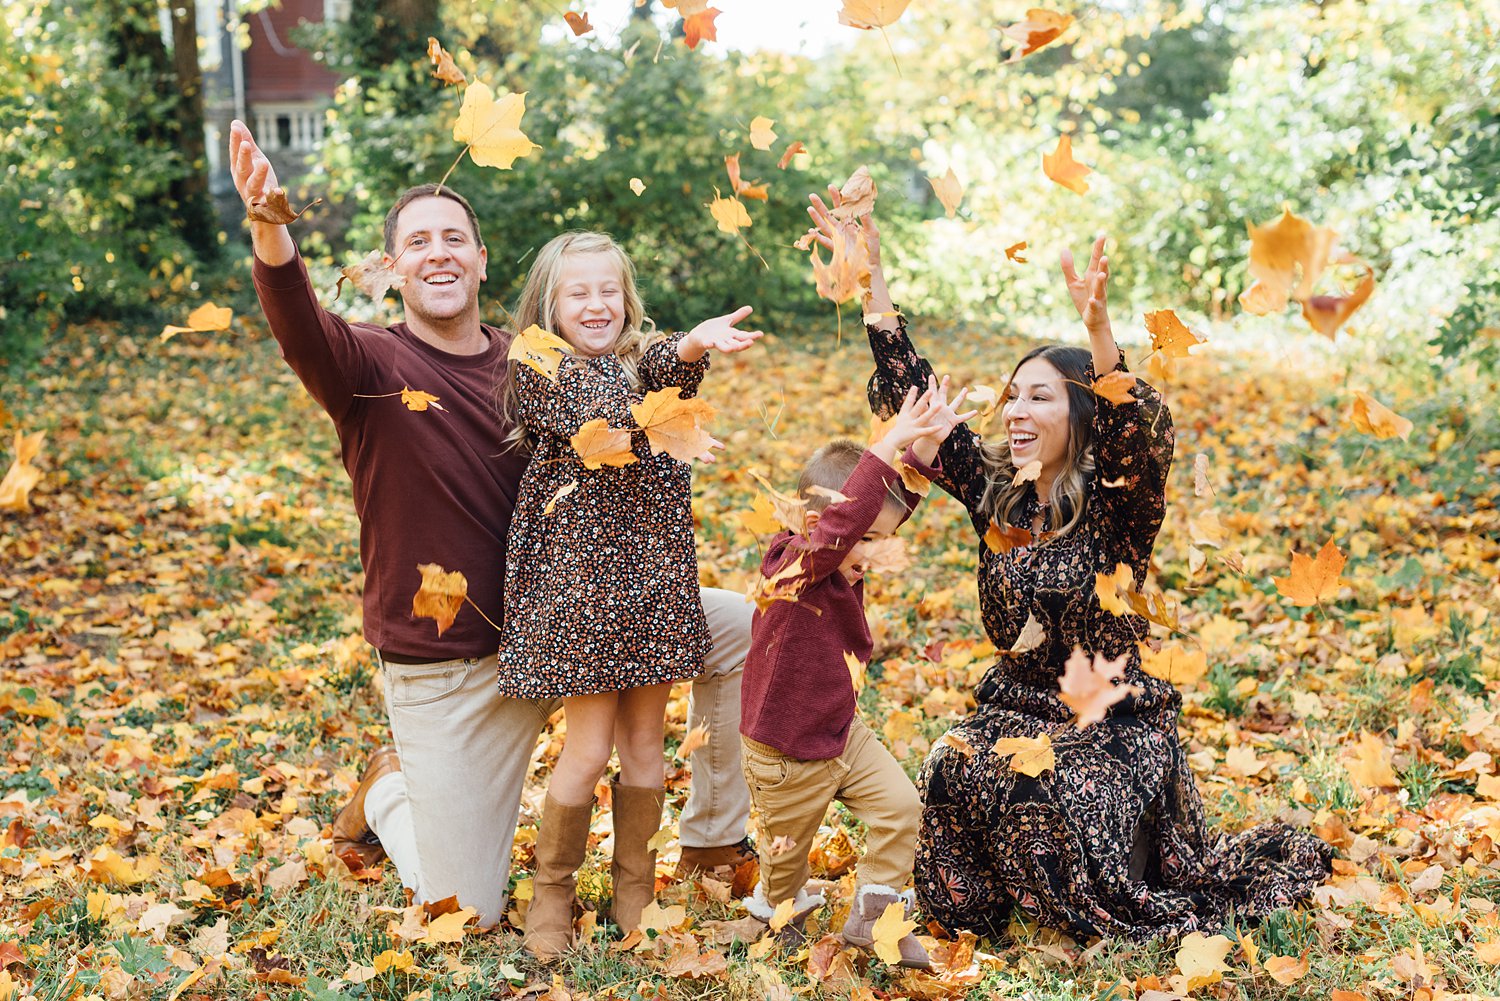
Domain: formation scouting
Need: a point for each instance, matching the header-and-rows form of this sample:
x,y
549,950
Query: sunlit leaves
x,y
276,210
443,67
949,191
761,133
867,14
599,445
1041,27
1029,756
491,127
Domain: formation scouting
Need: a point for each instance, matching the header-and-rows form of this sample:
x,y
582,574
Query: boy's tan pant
x,y
792,797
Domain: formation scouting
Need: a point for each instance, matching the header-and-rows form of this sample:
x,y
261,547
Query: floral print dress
x,y
601,592
1111,841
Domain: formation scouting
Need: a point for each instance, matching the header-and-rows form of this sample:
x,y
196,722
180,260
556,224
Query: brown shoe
x,y
722,863
351,832
562,841
632,871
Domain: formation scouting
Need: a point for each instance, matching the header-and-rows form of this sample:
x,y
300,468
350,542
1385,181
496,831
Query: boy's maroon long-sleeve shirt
x,y
797,695
433,486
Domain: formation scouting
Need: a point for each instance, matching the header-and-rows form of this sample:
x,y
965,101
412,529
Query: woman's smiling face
x,y
1036,417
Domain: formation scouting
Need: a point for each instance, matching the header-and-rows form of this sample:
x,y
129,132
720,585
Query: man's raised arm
x,y
255,179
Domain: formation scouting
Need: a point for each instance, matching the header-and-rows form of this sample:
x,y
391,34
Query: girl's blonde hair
x,y
538,306
1070,491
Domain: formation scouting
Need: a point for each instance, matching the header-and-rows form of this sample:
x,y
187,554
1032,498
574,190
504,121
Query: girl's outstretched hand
x,y
1090,291
718,334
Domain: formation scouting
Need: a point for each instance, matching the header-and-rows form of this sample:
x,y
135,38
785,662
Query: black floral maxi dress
x,y
1059,846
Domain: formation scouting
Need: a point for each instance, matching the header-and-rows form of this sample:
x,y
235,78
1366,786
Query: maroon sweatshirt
x,y
797,695
433,486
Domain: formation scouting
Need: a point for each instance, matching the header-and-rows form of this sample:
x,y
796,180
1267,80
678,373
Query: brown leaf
x,y
442,63
441,595
857,196
1003,540
675,425
1286,258
276,210
1088,687
743,189
371,275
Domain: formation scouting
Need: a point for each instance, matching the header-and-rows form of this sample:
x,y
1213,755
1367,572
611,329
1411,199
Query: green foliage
x,y
81,196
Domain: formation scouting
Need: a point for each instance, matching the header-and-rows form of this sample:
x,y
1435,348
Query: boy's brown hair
x,y
829,467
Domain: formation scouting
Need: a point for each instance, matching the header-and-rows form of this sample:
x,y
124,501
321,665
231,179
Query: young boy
x,y
803,745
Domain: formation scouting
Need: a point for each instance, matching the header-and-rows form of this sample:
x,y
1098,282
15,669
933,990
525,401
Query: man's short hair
x,y
829,468
427,191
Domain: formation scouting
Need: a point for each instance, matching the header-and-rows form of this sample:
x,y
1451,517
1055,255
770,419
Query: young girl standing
x,y
601,584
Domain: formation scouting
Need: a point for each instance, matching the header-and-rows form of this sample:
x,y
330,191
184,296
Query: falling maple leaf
x,y
790,511
417,400
694,739
1115,387
1201,486
1312,580
1060,166
205,319
1027,473
1174,664
599,445
675,425
847,273
949,191
1286,258
441,595
742,189
1088,686
783,585
637,185
443,66
792,149
1372,417
1040,28
539,350
22,476
1109,589
1170,340
888,555
1013,252
1028,755
490,128
700,26
1327,313
562,492
371,275
888,931
868,14
1031,636
1003,540
729,213
578,22
761,134
856,670
761,519
276,210
857,196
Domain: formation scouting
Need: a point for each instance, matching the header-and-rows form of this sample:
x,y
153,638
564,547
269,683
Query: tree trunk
x,y
190,190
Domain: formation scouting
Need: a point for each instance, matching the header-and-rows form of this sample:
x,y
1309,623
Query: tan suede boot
x,y
633,869
562,838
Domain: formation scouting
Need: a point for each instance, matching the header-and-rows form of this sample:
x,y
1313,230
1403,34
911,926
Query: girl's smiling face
x,y
1036,417
589,303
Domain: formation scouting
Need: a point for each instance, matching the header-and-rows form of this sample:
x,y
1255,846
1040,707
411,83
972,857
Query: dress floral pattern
x,y
1111,841
601,594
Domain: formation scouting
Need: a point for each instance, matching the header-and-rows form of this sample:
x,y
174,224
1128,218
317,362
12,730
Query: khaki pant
x,y
448,818
792,797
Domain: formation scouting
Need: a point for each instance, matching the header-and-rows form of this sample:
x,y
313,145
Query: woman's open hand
x,y
1090,291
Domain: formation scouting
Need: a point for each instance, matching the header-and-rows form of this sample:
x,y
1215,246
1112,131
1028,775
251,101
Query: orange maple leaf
x,y
1089,688
743,189
1040,28
1327,313
1115,387
443,66
22,476
847,273
1014,252
578,22
1372,417
761,133
1169,334
1312,580
441,595
675,425
784,585
1003,540
598,445
417,400
697,27
1287,256
1109,589
792,149
1060,166
729,213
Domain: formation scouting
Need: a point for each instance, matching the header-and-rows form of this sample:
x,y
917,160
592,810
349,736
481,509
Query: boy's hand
x,y
944,414
916,419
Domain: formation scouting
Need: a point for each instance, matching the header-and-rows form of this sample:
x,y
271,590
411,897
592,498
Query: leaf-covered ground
x,y
186,698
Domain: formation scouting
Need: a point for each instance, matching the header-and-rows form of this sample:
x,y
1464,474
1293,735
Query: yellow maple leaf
x,y
1169,335
1174,664
22,476
782,914
538,349
449,927
761,518
1060,166
492,128
599,445
1327,313
675,425
784,585
1115,387
729,213
1370,764
1286,970
1028,755
391,960
888,931
1372,417
867,14
1312,580
1287,256
637,185
417,400
1201,957
205,318
761,134
1108,588
949,191
562,492
440,596
856,670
